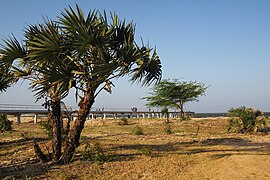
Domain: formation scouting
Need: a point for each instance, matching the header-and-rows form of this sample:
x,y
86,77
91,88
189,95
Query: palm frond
x,y
10,51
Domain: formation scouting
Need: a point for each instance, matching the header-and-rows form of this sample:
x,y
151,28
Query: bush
x,y
168,129
5,124
123,121
245,120
146,150
95,153
185,118
138,130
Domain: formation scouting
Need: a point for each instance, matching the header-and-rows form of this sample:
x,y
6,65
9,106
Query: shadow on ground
x,y
23,170
234,146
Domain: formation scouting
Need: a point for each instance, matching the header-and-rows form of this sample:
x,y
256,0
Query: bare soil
x,y
210,153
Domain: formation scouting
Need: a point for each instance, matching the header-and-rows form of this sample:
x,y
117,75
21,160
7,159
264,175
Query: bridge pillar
x,y
92,115
35,118
19,118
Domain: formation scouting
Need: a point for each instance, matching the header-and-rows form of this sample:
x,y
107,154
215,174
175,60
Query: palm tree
x,y
19,62
85,53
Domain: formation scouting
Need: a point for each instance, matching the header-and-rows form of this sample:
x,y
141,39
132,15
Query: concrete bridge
x,y
37,110
18,110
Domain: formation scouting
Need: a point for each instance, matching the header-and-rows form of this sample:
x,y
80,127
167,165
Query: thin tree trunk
x,y
55,118
181,110
72,143
167,117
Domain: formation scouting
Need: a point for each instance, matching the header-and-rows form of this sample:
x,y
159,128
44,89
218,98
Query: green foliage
x,y
47,126
83,52
123,121
5,124
147,151
6,79
185,118
168,129
94,153
76,49
245,120
175,94
138,130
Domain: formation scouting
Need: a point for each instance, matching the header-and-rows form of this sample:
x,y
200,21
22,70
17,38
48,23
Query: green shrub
x,y
146,150
185,118
123,121
5,124
138,130
168,129
245,120
95,153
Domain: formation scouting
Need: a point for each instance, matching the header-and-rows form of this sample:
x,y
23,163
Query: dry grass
x,y
209,154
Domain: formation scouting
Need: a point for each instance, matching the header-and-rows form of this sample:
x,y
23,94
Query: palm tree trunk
x,y
55,117
72,143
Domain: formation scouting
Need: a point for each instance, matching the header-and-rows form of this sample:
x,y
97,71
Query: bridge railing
x,y
74,108
20,107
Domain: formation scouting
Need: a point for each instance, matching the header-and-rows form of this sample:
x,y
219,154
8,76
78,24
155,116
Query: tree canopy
x,y
175,94
82,52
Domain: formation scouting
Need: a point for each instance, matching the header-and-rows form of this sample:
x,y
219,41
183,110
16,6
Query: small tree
x,y
175,94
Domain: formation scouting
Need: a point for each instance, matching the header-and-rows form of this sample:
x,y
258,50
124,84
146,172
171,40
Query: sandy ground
x,y
212,154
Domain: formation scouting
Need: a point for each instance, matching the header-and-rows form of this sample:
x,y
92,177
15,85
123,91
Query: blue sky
x,y
225,44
